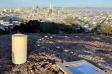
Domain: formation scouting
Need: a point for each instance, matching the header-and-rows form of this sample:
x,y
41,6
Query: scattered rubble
x,y
43,55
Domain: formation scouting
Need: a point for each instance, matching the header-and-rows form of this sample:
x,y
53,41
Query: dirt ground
x,y
46,50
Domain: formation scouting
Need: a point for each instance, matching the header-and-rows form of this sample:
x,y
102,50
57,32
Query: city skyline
x,y
56,3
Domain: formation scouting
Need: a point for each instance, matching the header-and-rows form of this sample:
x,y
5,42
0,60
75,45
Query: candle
x,y
19,48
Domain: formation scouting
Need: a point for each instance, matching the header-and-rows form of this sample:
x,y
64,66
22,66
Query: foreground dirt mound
x,y
38,63
44,51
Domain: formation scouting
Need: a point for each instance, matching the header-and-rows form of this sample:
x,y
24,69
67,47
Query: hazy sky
x,y
59,3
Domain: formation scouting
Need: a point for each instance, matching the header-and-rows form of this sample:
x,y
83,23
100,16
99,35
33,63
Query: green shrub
x,y
106,29
52,28
31,26
75,28
34,26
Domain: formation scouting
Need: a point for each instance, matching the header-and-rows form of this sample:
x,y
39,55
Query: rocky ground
x,y
44,51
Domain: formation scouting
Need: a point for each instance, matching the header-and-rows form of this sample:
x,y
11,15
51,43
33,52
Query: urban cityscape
x,y
88,18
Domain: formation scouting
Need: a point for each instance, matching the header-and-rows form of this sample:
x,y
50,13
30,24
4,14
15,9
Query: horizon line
x,y
56,7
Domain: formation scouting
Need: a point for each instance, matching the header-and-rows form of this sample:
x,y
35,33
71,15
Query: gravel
x,y
45,51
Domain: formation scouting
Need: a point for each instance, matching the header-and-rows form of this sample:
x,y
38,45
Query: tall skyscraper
x,y
51,7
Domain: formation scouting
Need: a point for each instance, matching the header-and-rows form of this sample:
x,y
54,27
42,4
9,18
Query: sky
x,y
57,3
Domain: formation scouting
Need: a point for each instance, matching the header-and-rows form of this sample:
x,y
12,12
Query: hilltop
x,y
45,50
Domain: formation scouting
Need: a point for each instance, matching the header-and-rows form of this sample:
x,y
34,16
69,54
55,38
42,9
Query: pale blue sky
x,y
59,3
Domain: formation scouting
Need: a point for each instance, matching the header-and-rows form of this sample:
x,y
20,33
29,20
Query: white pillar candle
x,y
19,48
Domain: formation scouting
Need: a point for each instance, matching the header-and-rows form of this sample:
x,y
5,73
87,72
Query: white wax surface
x,y
19,48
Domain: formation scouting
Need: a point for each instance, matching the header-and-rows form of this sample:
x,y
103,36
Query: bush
x,y
75,28
96,29
106,29
31,26
48,27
